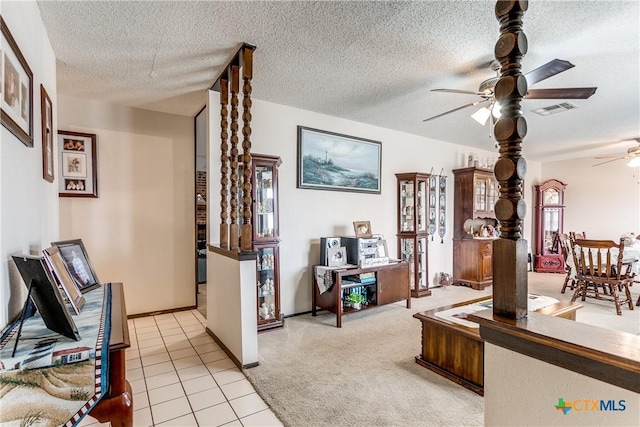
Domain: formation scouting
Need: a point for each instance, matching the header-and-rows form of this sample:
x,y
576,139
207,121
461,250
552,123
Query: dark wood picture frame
x,y
48,150
67,249
78,166
16,83
332,161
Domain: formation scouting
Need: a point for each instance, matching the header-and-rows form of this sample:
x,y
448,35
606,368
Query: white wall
x,y
306,215
603,201
141,228
28,203
519,389
231,309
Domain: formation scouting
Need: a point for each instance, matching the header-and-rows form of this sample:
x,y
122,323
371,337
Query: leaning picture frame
x,y
48,149
337,257
46,296
332,161
78,264
16,78
60,273
78,174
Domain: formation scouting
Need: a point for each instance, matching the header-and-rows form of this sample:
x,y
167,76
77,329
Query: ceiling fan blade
x,y
458,91
609,161
547,70
617,156
456,109
562,93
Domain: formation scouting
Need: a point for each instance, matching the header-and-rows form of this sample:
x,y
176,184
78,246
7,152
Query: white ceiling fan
x,y
633,153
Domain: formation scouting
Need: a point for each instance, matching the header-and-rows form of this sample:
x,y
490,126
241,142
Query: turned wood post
x,y
246,237
510,251
234,237
224,164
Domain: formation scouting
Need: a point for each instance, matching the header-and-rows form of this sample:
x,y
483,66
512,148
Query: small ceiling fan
x,y
485,90
633,153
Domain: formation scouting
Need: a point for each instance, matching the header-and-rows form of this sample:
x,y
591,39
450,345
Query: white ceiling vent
x,y
557,108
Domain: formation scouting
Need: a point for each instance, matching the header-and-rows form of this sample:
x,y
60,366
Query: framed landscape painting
x,y
331,161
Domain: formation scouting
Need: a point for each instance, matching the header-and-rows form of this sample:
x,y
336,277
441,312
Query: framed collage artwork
x,y
78,176
16,86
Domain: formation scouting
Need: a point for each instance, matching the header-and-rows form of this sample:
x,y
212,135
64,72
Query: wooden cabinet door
x,y
486,261
393,284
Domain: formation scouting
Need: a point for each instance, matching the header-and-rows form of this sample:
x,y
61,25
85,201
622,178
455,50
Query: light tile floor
x,y
180,377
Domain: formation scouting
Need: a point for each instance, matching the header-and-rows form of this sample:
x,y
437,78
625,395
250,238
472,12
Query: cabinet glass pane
x,y
481,195
407,210
407,254
421,262
266,284
493,195
551,221
264,221
421,209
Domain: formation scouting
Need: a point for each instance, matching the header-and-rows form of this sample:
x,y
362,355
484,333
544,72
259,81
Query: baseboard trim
x,y
224,348
159,312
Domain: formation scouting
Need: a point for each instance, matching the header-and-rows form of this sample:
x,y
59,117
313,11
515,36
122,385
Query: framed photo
x,y
76,259
362,228
78,176
337,256
63,279
16,85
330,161
46,109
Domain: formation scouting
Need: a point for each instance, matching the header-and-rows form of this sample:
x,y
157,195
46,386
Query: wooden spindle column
x,y
246,236
510,251
233,191
224,164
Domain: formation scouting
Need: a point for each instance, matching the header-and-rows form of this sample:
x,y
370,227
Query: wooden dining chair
x,y
573,236
565,249
599,264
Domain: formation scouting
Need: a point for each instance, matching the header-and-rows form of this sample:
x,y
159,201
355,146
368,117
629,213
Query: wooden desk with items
x,y
390,284
456,351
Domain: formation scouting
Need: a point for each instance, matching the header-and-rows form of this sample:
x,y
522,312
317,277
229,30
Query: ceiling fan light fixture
x,y
634,163
496,112
482,115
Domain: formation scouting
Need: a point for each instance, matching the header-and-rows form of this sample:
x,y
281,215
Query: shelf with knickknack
x,y
266,239
416,221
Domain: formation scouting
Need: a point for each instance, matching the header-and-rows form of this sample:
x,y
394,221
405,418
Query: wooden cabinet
x,y
391,284
456,351
266,239
416,221
476,192
472,262
549,226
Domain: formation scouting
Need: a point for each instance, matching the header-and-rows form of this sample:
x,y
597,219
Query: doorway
x,y
201,217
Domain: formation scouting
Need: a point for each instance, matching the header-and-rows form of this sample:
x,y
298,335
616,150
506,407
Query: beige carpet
x,y
364,374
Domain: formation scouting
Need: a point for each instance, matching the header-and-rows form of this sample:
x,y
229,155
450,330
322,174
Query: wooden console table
x,y
117,405
457,352
391,285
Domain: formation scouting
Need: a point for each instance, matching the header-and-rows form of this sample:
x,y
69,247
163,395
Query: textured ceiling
x,y
373,62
